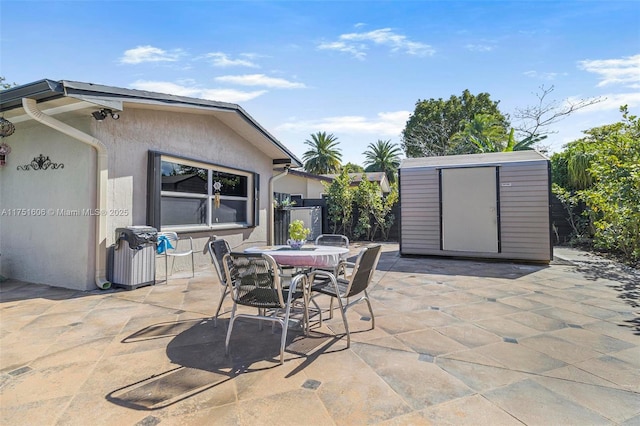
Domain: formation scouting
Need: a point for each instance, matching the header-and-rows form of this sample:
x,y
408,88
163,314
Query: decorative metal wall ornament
x,y
6,127
41,163
4,151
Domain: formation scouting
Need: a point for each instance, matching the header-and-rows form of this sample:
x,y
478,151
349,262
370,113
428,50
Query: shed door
x,y
469,209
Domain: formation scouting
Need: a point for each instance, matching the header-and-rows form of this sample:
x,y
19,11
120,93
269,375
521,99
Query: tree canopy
x,y
324,155
429,130
353,168
602,172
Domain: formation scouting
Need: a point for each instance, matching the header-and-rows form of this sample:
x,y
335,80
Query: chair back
x,y
254,280
217,248
173,240
332,240
363,270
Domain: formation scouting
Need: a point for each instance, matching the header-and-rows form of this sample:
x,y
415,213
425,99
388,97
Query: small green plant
x,y
297,231
284,203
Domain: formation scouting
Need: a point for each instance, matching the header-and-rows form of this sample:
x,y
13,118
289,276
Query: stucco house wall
x,y
43,238
294,184
39,242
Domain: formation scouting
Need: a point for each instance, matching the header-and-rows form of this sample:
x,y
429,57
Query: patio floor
x,y
455,342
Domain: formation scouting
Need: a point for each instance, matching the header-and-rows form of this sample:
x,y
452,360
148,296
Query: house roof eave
x,y
115,97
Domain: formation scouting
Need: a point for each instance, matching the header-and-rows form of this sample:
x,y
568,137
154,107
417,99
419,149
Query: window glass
x,y
182,178
229,211
190,191
183,211
229,184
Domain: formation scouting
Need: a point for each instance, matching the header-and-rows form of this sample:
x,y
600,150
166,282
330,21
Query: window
x,y
189,194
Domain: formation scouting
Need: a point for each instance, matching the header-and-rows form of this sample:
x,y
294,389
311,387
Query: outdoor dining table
x,y
306,259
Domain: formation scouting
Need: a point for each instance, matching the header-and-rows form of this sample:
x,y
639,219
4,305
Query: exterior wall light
x,y
103,113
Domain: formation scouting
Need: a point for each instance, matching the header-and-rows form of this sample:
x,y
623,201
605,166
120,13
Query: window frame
x,y
155,194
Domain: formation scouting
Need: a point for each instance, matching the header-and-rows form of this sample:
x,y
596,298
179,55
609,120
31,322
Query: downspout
x,y
270,211
30,107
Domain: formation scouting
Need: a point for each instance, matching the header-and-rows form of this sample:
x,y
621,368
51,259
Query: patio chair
x,y
332,240
217,248
171,250
336,240
254,281
353,285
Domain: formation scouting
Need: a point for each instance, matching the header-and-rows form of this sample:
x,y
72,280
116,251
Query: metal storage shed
x,y
494,205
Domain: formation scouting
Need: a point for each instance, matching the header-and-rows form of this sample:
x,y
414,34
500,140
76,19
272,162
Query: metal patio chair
x,y
350,286
171,250
332,240
254,280
336,240
217,248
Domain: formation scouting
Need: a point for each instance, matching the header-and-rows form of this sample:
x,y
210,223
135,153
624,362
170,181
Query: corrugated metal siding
x,y
524,212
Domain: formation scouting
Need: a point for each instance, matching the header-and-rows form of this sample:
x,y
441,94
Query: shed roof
x,y
467,160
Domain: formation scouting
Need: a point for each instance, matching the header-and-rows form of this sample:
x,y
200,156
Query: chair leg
x,y
318,308
373,319
166,269
222,296
231,321
344,318
331,309
285,327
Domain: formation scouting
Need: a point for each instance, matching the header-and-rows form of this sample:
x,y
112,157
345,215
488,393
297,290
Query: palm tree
x,y
324,156
383,156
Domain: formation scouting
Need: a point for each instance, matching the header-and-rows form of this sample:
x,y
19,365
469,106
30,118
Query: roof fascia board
x,y
40,90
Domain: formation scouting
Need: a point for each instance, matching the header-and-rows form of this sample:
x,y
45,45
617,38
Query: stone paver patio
x,y
456,342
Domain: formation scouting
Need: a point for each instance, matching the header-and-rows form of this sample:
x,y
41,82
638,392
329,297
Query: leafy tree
x,y
602,170
324,156
340,203
383,217
429,130
367,198
353,168
4,85
480,134
374,210
383,156
483,134
526,144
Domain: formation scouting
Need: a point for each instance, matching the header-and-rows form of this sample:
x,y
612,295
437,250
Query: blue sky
x,y
354,69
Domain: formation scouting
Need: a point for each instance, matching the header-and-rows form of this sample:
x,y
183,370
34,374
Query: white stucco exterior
x,y
38,242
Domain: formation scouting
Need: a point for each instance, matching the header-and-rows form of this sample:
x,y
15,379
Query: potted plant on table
x,y
297,234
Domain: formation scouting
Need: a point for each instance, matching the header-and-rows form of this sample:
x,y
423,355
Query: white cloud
x,y
356,43
165,87
479,47
624,71
143,54
544,75
385,123
356,50
231,95
220,95
260,80
219,59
